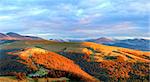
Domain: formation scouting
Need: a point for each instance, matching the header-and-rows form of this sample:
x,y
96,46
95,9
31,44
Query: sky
x,y
76,19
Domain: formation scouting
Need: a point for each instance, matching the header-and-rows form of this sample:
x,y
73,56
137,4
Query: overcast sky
x,y
76,18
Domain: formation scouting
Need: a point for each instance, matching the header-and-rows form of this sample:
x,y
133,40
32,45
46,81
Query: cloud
x,y
6,8
76,19
88,19
120,29
132,7
3,18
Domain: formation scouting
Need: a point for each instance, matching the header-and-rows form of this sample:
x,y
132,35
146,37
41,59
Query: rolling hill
x,y
92,60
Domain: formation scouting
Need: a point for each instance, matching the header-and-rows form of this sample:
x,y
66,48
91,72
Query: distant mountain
x,y
66,40
138,44
15,36
60,40
2,35
101,40
98,40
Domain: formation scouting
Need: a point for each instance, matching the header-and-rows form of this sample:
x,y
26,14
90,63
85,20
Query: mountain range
x,y
137,44
15,36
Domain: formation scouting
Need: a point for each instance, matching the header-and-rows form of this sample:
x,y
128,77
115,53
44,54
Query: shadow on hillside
x,y
9,63
102,71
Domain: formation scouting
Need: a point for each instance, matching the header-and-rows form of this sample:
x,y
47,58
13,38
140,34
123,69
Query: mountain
x,y
138,44
66,40
98,40
101,40
60,40
2,35
15,36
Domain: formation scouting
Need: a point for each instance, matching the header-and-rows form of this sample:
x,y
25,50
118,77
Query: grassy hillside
x,y
106,63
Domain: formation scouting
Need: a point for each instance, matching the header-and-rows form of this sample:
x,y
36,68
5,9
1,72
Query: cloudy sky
x,y
76,18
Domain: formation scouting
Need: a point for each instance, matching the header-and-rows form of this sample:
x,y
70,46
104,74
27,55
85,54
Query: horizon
x,y
63,19
113,38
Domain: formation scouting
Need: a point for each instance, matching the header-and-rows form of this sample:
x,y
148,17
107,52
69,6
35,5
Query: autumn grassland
x,y
82,61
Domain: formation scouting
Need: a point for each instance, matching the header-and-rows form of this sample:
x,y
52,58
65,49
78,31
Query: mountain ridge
x,y
137,44
16,36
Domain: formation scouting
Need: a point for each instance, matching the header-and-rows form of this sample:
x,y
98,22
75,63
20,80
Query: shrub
x,y
40,73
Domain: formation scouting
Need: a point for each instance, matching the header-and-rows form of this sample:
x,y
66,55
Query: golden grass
x,y
121,54
52,60
108,56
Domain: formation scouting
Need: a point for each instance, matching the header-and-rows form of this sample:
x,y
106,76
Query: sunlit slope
x,y
33,57
103,52
98,52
